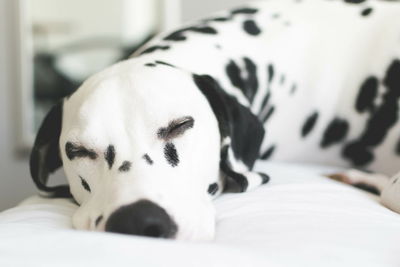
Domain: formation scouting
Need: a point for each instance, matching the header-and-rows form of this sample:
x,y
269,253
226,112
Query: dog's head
x,y
141,147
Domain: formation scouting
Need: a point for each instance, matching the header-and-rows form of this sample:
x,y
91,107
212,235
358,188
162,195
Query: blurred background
x,y
48,47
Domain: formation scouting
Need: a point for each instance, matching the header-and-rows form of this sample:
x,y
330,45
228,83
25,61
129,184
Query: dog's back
x,y
323,76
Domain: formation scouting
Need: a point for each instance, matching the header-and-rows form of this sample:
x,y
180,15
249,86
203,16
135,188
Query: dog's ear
x,y
45,155
241,136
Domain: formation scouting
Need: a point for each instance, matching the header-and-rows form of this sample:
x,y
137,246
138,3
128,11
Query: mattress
x,y
299,219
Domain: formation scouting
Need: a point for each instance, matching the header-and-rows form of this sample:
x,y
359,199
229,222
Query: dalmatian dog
x,y
149,142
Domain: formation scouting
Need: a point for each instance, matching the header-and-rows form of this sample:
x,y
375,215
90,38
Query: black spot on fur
x,y
270,73
251,27
126,166
218,19
164,63
309,124
366,187
179,35
268,115
398,148
84,184
335,132
381,120
268,153
264,178
77,151
395,180
366,12
148,159
354,1
171,155
150,64
152,49
293,89
248,85
283,79
252,80
265,100
246,10
233,72
367,95
98,220
109,155
213,189
276,15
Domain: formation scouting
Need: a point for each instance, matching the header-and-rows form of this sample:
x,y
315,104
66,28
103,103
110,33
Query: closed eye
x,y
176,128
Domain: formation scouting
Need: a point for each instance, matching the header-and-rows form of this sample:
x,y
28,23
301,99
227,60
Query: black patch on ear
x,y
366,12
268,153
251,27
213,189
236,121
126,166
85,185
171,155
45,155
367,95
148,159
244,10
335,132
109,155
98,220
76,151
164,63
309,124
151,49
235,181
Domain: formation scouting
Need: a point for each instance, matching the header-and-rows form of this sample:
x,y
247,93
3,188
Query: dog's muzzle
x,y
142,218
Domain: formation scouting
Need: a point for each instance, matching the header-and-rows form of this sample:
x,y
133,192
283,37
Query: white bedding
x,y
299,219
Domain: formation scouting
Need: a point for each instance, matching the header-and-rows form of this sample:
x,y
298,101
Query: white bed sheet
x,y
299,219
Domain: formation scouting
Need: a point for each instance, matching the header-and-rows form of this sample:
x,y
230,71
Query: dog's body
x,y
315,81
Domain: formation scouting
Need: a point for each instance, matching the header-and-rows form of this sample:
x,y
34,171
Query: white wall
x,y
15,181
194,9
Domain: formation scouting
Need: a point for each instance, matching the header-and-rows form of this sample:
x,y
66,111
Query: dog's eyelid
x,y
78,150
176,128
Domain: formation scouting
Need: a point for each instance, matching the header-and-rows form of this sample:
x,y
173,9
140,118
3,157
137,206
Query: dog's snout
x,y
143,218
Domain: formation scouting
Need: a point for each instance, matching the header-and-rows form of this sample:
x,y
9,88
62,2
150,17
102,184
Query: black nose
x,y
142,218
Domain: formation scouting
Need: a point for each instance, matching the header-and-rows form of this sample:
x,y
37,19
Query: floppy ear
x,y
45,154
241,136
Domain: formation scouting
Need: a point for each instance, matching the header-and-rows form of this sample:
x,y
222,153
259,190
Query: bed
x,y
299,219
